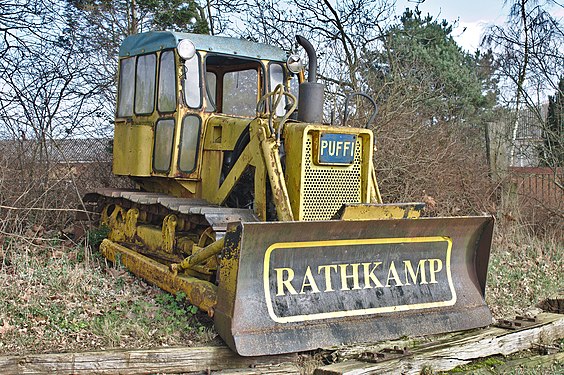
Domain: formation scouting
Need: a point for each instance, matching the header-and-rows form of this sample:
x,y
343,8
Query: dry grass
x,y
57,295
54,297
524,270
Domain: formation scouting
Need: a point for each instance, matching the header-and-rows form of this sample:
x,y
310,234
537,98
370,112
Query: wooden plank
x,y
445,355
162,360
281,369
440,355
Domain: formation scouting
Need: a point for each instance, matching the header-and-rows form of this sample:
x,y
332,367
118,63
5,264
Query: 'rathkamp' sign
x,y
331,279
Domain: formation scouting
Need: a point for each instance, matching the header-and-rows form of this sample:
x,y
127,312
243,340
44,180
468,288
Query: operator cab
x,y
174,87
232,83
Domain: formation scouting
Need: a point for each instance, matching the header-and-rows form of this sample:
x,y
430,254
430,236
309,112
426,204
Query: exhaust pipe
x,y
310,101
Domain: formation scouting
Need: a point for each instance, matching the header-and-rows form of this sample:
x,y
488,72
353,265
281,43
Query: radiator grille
x,y
326,188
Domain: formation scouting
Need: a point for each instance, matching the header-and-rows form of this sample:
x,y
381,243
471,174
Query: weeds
x,y
96,235
52,300
488,363
56,295
524,269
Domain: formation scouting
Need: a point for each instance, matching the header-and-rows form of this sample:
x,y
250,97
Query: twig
x,y
43,209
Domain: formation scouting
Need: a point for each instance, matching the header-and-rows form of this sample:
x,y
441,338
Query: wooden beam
x,y
162,360
456,350
281,369
439,354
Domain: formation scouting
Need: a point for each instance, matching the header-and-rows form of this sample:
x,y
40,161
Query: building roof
x,y
158,40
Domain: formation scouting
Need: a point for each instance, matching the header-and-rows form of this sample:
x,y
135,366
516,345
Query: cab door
x,y
190,117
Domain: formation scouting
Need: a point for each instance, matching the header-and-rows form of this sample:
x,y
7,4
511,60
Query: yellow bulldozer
x,y
264,217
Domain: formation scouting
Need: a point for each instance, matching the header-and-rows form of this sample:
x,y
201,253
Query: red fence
x,y
540,187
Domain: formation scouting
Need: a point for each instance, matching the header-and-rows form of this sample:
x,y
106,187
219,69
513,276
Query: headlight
x,y
294,64
186,49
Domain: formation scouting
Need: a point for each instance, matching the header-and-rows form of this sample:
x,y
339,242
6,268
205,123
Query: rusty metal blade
x,y
287,287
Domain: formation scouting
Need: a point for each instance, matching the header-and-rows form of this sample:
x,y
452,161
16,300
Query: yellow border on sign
x,y
345,313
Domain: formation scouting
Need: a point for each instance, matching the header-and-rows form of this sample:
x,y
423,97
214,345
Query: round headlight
x,y
186,49
294,63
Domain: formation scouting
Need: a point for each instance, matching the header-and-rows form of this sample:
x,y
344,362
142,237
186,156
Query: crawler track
x,y
198,212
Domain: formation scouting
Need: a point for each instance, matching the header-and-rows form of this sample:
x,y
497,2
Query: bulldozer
x,y
266,218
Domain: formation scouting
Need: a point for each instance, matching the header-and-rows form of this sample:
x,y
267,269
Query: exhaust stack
x,y
310,102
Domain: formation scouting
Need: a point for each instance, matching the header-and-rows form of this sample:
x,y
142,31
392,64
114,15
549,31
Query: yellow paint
x,y
219,133
306,177
133,149
380,212
392,275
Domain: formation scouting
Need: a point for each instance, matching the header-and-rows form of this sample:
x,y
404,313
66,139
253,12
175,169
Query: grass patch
x,y
523,271
523,363
58,298
486,363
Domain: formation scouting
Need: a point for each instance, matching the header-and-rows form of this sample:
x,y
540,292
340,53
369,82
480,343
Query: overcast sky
x,y
474,15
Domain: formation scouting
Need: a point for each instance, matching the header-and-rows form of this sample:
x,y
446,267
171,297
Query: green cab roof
x,y
159,40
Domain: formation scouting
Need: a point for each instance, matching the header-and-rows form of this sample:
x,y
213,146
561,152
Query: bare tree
x,y
43,75
47,95
341,31
528,49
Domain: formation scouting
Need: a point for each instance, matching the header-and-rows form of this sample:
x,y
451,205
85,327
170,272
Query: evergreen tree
x,y
176,15
553,151
423,64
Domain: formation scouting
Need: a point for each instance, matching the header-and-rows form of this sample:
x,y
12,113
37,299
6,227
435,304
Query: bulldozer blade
x,y
295,286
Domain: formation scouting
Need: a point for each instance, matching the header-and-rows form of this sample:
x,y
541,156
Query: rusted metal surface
x,y
520,322
213,215
271,155
155,231
352,281
317,192
200,256
200,293
385,354
298,286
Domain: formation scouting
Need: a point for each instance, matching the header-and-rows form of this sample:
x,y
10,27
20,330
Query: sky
x,y
472,15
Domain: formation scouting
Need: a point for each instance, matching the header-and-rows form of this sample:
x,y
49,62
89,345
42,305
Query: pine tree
x,y
553,151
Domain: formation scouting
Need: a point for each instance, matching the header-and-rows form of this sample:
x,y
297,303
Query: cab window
x,y
192,91
164,136
277,77
233,85
126,87
211,91
167,83
189,143
145,84
295,86
240,91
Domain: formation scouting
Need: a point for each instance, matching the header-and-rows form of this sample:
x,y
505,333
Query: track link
x,y
197,211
